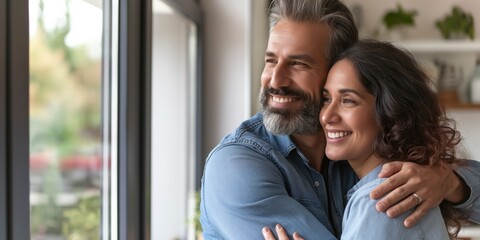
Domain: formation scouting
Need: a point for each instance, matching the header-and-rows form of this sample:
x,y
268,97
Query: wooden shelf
x,y
450,100
451,105
439,46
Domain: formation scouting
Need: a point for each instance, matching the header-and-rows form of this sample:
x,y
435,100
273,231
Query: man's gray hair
x,y
343,32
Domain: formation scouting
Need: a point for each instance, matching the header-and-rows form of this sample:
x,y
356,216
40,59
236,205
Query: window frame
x,y
133,115
135,112
14,133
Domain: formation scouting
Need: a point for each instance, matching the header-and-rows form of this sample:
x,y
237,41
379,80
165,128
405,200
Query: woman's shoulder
x,y
377,225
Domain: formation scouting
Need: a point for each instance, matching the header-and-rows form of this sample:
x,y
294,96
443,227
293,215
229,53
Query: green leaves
x,y
399,17
457,24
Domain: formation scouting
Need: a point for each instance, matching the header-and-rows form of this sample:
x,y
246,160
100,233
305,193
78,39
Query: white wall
x,y
171,133
228,69
469,127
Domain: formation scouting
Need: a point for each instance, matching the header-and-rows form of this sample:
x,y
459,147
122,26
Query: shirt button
x,y
317,184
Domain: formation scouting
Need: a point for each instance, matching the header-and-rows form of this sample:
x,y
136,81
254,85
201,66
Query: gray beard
x,y
280,121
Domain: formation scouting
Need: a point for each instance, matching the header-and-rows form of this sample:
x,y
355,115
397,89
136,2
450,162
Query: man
x,y
272,168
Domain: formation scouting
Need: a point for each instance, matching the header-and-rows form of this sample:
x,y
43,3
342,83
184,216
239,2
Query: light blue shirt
x,y
254,179
362,221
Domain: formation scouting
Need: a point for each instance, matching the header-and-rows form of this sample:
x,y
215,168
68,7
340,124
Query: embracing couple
x,y
351,142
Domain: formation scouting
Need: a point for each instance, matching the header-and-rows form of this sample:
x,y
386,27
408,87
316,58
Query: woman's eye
x,y
348,101
326,100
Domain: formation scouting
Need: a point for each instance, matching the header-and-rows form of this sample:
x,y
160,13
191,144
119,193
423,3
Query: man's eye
x,y
270,60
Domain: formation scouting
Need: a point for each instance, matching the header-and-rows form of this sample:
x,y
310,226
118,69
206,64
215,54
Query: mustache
x,y
287,91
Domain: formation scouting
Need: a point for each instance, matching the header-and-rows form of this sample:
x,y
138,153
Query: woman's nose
x,y
328,114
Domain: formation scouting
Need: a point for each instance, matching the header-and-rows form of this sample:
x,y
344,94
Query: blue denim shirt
x,y
362,221
470,173
254,179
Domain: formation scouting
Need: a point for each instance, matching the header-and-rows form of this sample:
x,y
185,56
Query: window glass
x,y
66,123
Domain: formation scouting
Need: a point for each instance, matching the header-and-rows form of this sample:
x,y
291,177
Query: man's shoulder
x,y
252,136
252,133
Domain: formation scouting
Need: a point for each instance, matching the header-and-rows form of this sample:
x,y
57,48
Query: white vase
x,y
398,33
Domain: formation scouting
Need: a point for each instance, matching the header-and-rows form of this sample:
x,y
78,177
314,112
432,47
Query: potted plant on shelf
x,y
398,20
457,25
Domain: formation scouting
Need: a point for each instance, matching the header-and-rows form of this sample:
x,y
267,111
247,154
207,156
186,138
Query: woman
x,y
379,107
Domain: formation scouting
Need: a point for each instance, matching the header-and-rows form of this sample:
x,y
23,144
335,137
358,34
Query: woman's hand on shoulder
x,y
282,234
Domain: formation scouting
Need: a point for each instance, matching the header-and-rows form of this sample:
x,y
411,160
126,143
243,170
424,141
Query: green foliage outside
x,y
196,220
65,119
45,218
82,222
399,17
64,93
457,24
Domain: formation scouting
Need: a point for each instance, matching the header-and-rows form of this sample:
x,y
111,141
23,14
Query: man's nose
x,y
280,76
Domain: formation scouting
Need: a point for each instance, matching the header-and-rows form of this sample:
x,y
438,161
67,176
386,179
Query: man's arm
x,y
433,185
243,192
470,176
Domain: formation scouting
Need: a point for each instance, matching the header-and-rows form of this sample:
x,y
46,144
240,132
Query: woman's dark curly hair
x,y
413,124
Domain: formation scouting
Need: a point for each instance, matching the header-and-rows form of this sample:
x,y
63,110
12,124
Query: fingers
x,y
403,206
416,216
296,236
398,199
389,169
412,187
396,178
385,187
282,234
394,189
267,234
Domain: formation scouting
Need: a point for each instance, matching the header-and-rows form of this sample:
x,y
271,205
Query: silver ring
x,y
419,199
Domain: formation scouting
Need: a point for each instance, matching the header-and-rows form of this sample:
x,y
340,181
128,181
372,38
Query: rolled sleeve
x,y
470,173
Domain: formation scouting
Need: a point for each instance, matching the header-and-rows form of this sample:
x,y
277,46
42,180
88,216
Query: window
x,y
76,106
69,120
175,122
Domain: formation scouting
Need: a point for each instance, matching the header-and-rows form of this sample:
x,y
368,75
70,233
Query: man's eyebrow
x,y
304,57
269,54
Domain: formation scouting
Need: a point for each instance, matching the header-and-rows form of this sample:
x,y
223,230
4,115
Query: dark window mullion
x,y
131,114
14,158
3,116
